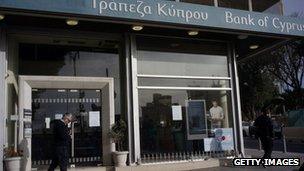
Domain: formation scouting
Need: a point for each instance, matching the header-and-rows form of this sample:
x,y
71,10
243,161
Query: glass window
x,y
271,6
236,4
202,2
164,132
59,60
156,63
158,56
293,8
178,112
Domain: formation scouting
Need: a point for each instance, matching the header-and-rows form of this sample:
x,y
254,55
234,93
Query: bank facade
x,y
168,68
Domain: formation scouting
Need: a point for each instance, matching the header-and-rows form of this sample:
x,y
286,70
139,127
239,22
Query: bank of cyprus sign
x,y
167,12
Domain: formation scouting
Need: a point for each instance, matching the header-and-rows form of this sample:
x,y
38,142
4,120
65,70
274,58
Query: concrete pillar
x,y
3,114
108,118
25,143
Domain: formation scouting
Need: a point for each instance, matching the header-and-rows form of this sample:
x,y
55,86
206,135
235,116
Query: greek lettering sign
x,y
167,12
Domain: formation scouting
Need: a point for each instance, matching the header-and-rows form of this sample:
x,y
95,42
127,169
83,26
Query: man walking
x,y
264,131
62,141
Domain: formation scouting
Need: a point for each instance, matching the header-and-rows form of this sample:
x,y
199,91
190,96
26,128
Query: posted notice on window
x,y
177,113
94,118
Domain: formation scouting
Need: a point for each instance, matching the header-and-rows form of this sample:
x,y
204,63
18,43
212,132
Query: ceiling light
x,y
137,27
72,22
242,36
254,46
192,33
2,16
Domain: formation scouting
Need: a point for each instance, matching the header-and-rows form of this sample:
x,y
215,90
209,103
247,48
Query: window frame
x,y
135,88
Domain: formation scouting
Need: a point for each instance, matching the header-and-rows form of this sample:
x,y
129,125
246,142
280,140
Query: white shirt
x,y
217,112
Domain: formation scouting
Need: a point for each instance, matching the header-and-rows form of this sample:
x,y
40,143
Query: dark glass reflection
x,y
59,60
202,2
68,61
189,46
269,6
236,4
51,104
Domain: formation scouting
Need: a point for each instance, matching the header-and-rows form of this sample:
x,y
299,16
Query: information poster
x,y
223,140
27,115
196,119
177,113
27,130
94,118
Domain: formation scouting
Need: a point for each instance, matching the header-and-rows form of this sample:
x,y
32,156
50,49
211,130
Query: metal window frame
x,y
135,117
3,92
239,139
182,77
250,7
235,103
182,88
128,96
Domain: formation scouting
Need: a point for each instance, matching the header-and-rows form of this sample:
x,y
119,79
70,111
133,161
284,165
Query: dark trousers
x,y
60,158
267,144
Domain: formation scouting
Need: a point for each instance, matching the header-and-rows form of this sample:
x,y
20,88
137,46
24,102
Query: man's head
x,y
214,103
67,118
266,111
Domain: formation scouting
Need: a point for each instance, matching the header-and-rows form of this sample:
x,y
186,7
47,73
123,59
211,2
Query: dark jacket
x,y
61,134
263,127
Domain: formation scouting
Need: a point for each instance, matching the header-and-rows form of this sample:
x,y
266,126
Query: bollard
x,y
284,144
260,145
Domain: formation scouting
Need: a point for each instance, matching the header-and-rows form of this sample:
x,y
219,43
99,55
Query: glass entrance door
x,y
51,104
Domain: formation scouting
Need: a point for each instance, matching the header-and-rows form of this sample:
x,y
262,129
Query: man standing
x,y
216,114
264,131
62,141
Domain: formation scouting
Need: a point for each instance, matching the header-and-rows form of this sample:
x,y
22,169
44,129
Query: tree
x,y
257,87
286,64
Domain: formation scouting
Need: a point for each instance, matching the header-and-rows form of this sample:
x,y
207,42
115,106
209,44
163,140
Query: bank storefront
x,y
167,68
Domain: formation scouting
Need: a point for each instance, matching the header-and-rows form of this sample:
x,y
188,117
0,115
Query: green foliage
x,y
118,134
275,73
294,100
257,87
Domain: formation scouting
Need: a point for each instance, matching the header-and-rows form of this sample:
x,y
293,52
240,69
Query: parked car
x,y
252,130
277,129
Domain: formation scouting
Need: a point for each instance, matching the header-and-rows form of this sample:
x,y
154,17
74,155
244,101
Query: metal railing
x,y
183,156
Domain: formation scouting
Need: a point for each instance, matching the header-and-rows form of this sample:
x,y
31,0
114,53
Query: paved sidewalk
x,y
257,154
275,154
250,169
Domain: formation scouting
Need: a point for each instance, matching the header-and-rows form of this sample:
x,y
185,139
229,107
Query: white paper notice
x,y
58,116
94,118
47,123
177,113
